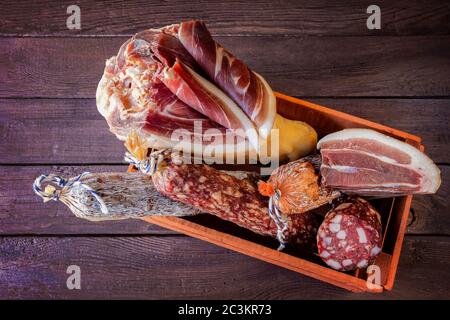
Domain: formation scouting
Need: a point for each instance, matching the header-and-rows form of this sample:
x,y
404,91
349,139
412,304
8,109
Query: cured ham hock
x,y
179,77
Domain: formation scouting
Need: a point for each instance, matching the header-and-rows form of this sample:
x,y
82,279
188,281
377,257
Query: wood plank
x,y
56,131
260,17
314,66
430,214
22,212
72,131
182,267
422,268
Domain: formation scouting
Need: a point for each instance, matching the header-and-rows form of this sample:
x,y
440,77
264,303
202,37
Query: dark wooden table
x,y
318,50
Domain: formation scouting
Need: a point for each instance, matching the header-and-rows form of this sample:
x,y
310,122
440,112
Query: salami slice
x,y
350,236
229,198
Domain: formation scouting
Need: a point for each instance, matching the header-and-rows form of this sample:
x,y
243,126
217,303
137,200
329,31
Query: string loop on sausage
x,y
148,165
278,218
51,193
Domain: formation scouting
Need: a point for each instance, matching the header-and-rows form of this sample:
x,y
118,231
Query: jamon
x,y
172,64
366,162
159,85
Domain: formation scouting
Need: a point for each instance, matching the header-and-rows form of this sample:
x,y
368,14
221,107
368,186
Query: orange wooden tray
x,y
394,212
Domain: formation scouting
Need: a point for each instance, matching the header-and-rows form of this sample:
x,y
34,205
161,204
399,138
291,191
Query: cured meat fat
x,y
206,98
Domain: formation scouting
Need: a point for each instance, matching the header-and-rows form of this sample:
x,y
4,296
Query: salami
x,y
227,197
350,236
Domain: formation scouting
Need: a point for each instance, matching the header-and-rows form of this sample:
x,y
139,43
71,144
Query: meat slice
x,y
248,89
166,48
366,162
171,114
181,74
350,236
206,98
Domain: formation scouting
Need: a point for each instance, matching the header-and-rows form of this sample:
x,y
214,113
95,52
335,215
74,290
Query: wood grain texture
x,y
72,131
312,66
304,48
258,17
56,131
431,214
426,118
22,212
182,267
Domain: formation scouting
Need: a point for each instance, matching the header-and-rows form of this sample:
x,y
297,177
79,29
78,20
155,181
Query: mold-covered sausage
x,y
350,235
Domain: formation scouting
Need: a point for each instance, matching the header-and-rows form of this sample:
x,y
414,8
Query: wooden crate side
x,y
406,205
260,252
347,120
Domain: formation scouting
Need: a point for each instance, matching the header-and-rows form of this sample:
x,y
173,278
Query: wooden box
x,y
394,212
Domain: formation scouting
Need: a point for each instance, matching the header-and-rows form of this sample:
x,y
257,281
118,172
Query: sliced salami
x,y
350,236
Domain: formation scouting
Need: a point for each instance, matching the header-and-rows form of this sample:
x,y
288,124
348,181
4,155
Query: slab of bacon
x,y
178,76
369,163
